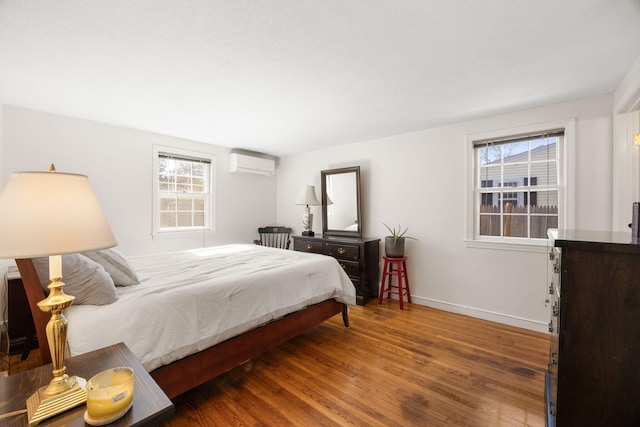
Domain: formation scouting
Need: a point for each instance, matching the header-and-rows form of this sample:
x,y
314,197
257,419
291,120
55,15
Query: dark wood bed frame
x,y
198,368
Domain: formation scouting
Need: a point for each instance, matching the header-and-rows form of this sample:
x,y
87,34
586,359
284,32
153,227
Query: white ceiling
x,y
286,76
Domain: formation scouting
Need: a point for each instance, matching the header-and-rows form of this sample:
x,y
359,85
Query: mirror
x,y
341,202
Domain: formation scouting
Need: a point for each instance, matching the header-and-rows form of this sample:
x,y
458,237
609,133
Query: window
x,y
183,196
517,186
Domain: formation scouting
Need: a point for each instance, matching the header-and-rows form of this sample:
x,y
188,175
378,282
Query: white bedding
x,y
188,301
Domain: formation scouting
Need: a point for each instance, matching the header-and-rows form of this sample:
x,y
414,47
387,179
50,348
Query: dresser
x,y
358,257
594,357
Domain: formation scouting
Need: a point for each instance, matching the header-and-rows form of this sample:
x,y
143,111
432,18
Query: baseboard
x,y
479,313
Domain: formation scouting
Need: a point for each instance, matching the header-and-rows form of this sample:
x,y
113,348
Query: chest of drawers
x,y
594,375
358,257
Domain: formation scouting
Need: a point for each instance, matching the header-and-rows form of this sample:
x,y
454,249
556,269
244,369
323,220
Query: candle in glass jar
x,y
109,394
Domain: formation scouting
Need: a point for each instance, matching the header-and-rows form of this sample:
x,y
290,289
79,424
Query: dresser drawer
x,y
358,285
338,251
350,267
307,246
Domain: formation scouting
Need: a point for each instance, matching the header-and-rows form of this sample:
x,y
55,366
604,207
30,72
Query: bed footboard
x,y
187,373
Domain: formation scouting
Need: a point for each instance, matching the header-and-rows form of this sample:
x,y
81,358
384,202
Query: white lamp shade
x,y
50,213
307,196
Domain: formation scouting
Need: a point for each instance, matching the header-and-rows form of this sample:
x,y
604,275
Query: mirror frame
x,y
327,173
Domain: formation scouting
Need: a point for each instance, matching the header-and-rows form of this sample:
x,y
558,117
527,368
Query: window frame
x,y
566,196
210,217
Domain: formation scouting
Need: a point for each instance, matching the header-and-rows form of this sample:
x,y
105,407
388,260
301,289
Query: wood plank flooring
x,y
417,367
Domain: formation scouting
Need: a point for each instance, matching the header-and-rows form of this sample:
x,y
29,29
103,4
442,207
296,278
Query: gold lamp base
x,y
63,392
40,408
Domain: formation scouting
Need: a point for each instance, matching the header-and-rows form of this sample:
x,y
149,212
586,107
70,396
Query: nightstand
x,y
22,332
151,407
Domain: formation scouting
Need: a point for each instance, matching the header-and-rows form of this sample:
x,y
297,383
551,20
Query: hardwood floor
x,y
419,366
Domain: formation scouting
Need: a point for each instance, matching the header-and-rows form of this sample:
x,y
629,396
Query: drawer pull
x,y
342,251
552,362
309,246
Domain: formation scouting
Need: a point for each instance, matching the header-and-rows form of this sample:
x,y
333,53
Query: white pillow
x,y
83,278
116,264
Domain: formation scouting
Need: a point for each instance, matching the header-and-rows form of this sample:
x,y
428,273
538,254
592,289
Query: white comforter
x,y
188,301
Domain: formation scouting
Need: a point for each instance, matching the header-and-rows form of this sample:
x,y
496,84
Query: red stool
x,y
400,265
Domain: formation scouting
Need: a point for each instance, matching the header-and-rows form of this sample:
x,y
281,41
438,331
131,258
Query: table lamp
x,y
308,198
51,214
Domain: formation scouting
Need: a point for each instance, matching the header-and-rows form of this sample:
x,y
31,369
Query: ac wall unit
x,y
251,164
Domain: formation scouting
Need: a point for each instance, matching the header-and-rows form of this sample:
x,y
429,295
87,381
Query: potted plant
x,y
394,244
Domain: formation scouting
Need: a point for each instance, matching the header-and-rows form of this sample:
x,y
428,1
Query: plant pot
x,y
394,250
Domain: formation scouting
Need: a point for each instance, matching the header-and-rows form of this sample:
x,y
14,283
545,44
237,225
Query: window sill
x,y
186,234
529,246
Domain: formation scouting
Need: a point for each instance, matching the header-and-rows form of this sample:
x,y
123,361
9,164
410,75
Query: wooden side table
x,y
150,405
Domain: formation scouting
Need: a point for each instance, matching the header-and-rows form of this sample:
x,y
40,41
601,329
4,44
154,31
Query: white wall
x,y
626,157
118,162
4,264
418,180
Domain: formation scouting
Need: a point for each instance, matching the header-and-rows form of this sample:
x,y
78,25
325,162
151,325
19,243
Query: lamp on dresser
x,y
51,214
308,198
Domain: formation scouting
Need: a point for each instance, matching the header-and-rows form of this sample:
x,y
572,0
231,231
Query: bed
x,y
196,314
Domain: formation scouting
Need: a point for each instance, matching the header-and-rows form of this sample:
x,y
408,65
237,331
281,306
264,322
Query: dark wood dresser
x,y
594,361
358,257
